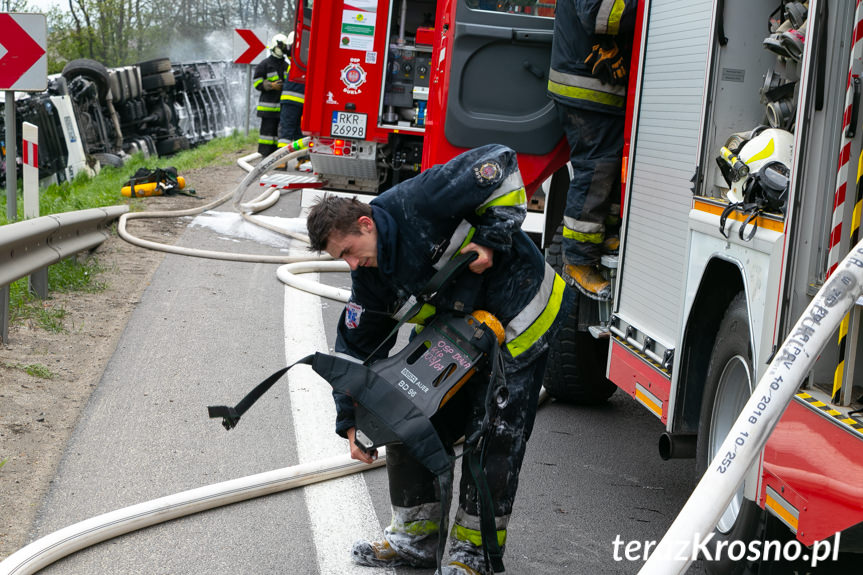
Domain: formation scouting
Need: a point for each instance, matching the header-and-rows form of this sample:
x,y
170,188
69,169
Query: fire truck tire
x,y
575,372
727,387
90,69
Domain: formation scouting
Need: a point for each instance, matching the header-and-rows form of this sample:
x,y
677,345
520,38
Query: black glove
x,y
608,63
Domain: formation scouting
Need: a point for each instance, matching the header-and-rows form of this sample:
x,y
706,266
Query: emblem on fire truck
x,y
353,77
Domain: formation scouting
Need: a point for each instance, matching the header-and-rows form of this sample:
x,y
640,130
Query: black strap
x,y
231,415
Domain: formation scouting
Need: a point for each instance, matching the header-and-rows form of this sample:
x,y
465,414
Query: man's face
x,y
357,249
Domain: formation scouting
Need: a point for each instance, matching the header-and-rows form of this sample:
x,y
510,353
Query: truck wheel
x,y
156,81
157,66
727,387
170,146
90,69
575,371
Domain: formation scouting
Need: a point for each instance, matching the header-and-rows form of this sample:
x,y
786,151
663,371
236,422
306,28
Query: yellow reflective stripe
x,y
265,108
425,527
529,336
586,94
515,198
458,240
466,241
266,140
583,237
475,537
614,17
426,311
273,78
258,82
292,98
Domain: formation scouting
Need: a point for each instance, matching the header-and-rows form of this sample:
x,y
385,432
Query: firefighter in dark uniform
x,y
588,80
268,78
292,100
474,203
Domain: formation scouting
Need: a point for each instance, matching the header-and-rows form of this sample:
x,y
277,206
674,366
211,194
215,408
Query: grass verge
x,y
79,274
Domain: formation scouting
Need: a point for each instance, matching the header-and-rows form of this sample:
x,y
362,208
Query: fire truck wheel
x,y
575,372
727,387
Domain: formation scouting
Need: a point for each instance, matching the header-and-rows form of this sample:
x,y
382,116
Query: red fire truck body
x,y
393,87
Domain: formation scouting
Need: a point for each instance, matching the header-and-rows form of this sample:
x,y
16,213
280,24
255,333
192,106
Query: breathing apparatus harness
x,y
395,398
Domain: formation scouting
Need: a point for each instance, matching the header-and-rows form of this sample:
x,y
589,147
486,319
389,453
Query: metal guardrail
x,y
30,245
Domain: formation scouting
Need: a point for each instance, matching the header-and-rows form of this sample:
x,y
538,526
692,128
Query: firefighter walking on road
x,y
475,202
588,77
268,79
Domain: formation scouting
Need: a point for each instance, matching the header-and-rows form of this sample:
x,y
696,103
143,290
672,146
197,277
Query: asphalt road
x,y
205,333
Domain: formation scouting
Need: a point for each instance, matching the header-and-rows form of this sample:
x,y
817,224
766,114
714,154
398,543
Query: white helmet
x,y
280,45
769,146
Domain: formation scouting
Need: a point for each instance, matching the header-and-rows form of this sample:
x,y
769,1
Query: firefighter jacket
x,y
424,222
579,25
271,69
293,92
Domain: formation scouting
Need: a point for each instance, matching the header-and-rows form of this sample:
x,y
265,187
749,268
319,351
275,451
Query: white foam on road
x,y
341,510
231,225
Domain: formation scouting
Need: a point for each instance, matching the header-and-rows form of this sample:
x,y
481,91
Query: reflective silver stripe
x,y
586,82
421,512
347,357
455,241
532,310
472,521
511,183
406,307
584,227
603,15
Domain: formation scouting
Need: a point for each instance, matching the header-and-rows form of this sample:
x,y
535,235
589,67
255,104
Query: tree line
x,y
121,32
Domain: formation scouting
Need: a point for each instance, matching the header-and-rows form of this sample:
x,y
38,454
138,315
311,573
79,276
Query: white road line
x,y
341,510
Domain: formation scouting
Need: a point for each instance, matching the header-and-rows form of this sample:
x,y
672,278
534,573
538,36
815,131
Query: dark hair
x,y
334,214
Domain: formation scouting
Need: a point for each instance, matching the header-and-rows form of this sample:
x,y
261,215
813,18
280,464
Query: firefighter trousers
x,y
289,122
595,149
268,136
414,493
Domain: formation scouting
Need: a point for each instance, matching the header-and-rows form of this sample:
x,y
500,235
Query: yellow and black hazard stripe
x,y
849,423
843,328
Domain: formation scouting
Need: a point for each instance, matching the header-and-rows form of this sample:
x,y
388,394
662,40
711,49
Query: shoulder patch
x,y
353,312
487,173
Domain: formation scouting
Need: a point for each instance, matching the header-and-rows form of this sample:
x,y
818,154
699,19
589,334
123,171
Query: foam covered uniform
x,y
592,113
292,101
270,69
421,224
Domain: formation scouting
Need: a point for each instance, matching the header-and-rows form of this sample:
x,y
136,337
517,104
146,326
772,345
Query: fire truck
x,y
740,193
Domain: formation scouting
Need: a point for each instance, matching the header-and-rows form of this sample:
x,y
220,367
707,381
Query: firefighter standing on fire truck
x,y
268,78
292,100
475,202
589,61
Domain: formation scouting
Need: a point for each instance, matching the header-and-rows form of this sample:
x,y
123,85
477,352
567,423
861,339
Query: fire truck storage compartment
x,y
751,86
408,65
652,273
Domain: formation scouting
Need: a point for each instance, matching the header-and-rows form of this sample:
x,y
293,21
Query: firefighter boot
x,y
410,540
588,281
465,558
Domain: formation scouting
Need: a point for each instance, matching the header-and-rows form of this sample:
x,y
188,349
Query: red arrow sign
x,y
22,51
255,46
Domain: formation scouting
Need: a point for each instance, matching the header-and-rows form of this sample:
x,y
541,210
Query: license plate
x,y
348,125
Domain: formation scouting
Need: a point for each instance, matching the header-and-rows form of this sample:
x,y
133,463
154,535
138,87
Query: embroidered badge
x,y
353,311
487,173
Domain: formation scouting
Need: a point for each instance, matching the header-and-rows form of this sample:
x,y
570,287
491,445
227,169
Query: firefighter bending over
x,y
588,79
268,78
474,203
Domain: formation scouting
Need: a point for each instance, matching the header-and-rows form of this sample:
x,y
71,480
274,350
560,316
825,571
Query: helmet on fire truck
x,y
280,46
770,147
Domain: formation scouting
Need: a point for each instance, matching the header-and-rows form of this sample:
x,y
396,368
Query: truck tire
x,y
575,371
171,146
157,66
727,387
156,81
90,69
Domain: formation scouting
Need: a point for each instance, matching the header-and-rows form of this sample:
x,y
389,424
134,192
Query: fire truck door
x,y
497,89
300,49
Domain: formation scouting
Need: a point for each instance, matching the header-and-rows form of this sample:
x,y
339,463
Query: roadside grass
x,y
35,369
79,274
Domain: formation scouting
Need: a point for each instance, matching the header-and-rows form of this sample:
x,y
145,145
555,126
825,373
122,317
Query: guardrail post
x,y
38,281
11,200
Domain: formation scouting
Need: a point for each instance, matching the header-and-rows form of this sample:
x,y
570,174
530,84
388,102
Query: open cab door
x,y
489,85
302,37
